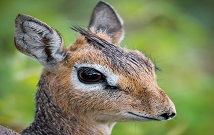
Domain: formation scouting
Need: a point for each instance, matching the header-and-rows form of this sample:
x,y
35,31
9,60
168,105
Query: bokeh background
x,y
177,34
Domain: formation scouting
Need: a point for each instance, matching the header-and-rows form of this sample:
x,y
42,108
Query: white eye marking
x,y
111,78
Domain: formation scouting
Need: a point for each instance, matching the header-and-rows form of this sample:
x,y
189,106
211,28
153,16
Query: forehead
x,y
90,48
125,60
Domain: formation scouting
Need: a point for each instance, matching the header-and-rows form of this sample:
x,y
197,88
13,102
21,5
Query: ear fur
x,y
38,40
106,20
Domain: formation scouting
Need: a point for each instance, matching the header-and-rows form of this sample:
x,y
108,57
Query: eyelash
x,y
157,68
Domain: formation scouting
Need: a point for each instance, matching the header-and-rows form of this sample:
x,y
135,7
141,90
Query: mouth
x,y
143,117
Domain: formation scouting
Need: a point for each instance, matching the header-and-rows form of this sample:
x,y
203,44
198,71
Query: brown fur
x,y
62,108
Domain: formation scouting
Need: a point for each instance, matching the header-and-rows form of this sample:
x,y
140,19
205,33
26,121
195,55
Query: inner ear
x,y
38,40
106,20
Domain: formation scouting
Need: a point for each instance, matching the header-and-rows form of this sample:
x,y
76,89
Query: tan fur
x,y
128,92
140,86
140,92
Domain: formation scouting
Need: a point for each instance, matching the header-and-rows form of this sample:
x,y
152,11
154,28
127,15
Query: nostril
x,y
165,115
173,115
168,115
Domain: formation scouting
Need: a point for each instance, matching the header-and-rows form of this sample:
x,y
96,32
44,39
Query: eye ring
x,y
90,75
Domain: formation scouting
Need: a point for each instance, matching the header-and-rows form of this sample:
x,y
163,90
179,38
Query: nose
x,y
169,114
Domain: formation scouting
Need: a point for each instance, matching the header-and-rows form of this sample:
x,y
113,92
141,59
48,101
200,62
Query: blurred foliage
x,y
178,35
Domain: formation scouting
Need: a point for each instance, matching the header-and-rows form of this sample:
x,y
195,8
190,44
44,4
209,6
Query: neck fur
x,y
50,120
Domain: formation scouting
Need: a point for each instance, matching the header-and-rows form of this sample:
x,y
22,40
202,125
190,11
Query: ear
x,y
38,40
105,19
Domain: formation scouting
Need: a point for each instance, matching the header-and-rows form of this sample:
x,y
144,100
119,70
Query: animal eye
x,y
90,75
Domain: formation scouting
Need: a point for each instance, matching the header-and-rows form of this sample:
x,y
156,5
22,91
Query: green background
x,y
177,34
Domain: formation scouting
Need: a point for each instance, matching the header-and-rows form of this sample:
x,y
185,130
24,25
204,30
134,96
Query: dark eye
x,y
90,75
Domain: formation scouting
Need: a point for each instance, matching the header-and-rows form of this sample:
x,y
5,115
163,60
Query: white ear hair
x,y
38,40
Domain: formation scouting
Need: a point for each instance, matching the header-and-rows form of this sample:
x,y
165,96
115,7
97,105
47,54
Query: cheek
x,y
99,102
60,91
89,102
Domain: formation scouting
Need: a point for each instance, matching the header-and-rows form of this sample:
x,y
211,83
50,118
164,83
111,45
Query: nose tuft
x,y
168,115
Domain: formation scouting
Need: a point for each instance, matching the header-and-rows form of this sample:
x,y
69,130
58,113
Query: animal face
x,y
95,77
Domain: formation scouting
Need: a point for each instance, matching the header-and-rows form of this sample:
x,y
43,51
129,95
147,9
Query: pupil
x,y
91,75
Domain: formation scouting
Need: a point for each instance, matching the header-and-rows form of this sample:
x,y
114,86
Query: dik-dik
x,y
87,88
